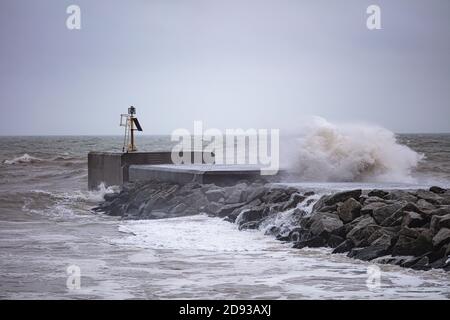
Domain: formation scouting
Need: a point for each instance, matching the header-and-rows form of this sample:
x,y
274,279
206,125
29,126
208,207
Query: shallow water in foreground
x,y
187,258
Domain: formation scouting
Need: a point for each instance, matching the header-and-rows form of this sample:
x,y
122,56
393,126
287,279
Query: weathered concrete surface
x,y
111,168
200,173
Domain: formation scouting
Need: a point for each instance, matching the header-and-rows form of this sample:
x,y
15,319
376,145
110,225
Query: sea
x,y
47,227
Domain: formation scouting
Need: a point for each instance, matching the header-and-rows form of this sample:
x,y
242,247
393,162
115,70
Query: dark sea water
x,y
47,225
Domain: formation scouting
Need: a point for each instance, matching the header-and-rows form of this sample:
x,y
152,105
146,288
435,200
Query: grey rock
x,y
345,246
437,190
424,205
399,195
442,237
382,213
293,201
361,232
370,206
335,240
368,253
249,225
413,220
214,194
378,193
325,225
225,210
429,196
314,242
253,214
257,193
413,242
179,208
342,196
349,210
236,196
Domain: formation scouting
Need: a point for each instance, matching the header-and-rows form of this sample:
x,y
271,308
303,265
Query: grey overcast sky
x,y
230,63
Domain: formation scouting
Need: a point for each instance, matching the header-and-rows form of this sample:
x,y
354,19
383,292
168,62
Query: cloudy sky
x,y
234,63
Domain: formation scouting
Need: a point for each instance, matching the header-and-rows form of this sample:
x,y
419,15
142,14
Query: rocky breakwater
x,y
407,228
403,227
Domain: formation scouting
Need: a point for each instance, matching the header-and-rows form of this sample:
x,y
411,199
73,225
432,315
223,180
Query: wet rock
x,y
429,196
424,205
342,196
296,235
437,190
236,196
361,232
249,225
314,242
276,195
382,213
413,242
413,220
293,201
257,193
377,193
253,214
400,195
225,210
442,237
368,253
213,208
335,240
345,246
370,206
349,210
421,264
324,224
179,208
214,195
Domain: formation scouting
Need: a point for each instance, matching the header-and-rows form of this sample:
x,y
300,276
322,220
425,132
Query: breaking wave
x,y
26,158
352,153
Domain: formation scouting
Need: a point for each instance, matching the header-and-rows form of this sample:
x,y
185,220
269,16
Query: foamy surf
x,y
351,153
25,158
209,258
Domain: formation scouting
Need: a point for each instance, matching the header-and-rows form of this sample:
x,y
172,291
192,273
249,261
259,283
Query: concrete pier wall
x,y
112,168
201,173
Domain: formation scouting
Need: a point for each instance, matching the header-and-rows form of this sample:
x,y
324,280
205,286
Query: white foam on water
x,y
351,152
202,257
192,233
25,158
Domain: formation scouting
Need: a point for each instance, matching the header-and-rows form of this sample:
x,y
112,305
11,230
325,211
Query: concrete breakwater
x,y
410,228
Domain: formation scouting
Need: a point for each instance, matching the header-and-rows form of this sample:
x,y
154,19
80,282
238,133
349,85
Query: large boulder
x,y
324,224
413,220
253,214
370,206
441,238
382,213
345,246
215,194
429,196
401,195
342,196
293,201
369,253
437,190
236,196
377,193
438,222
413,242
349,210
361,232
